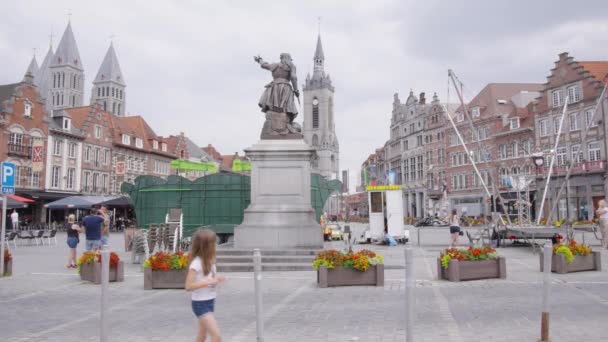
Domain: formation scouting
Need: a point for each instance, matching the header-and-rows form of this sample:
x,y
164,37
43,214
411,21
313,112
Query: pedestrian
x,y
105,230
602,212
454,221
15,219
202,280
73,231
92,227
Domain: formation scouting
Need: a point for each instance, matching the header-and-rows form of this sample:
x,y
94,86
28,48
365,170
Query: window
x,y
543,128
315,113
70,178
57,147
502,151
86,181
594,151
406,145
155,144
56,177
164,147
524,148
98,92
104,182
475,112
87,153
95,182
556,124
589,118
97,131
97,156
106,159
72,150
419,140
406,176
514,123
577,154
412,169
574,94
574,122
459,117
139,143
27,111
66,123
126,140
561,156
420,168
556,97
16,139
453,139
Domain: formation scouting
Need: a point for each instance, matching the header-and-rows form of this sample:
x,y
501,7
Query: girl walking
x,y
454,221
602,212
201,281
73,230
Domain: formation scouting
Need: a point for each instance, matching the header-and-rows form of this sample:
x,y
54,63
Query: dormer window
x,y
155,144
97,131
574,94
126,140
514,123
164,147
27,111
459,117
500,101
475,112
66,124
139,143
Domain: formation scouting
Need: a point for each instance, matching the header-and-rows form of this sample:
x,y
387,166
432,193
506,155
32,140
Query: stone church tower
x,y
319,125
65,75
109,85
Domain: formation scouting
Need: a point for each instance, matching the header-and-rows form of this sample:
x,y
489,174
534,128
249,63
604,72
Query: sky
x,y
189,64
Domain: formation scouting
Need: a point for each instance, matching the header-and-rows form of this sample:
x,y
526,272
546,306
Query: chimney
x,y
422,100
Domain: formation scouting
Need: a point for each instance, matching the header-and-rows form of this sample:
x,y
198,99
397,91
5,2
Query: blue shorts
x,y
454,229
93,244
73,242
202,307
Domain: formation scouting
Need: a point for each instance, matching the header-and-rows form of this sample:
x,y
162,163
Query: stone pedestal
x,y
280,214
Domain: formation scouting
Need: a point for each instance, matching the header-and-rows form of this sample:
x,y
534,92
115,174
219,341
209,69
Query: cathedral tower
x,y
66,74
319,125
109,85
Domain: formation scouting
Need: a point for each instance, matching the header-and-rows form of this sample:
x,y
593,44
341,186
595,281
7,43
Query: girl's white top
x,y
204,293
455,221
605,214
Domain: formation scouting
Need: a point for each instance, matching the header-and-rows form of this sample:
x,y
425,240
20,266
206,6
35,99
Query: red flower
x,y
512,237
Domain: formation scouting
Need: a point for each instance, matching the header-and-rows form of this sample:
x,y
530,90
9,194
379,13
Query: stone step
x,y
275,267
227,259
231,251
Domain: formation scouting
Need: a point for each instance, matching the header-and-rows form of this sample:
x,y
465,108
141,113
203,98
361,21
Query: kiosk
x,y
385,202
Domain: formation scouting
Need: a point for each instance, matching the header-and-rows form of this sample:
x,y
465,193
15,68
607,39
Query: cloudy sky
x,y
189,68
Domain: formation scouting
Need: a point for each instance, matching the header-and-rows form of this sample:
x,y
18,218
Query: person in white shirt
x,y
602,212
202,280
15,219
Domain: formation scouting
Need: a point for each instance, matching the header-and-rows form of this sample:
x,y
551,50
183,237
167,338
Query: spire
x,y
319,50
33,67
67,50
42,76
110,69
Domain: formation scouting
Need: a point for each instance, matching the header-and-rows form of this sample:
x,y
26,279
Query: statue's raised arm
x,y
278,101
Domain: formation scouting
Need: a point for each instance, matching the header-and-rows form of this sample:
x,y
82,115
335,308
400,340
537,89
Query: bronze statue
x,y
278,101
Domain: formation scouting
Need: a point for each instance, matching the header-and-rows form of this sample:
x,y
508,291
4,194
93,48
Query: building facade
x,y
582,141
319,120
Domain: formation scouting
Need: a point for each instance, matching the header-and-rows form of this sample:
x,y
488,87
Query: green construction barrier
x,y
217,200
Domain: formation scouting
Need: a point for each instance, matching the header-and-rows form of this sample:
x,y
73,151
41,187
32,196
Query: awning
x,y
13,204
85,202
21,199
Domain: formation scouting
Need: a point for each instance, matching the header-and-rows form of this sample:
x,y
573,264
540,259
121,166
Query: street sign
x,y
8,178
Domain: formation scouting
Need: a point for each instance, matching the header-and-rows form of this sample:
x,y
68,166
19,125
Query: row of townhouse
x,y
510,136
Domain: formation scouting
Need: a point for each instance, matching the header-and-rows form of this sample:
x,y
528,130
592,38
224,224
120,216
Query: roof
x,y
227,162
42,76
487,99
67,51
212,152
136,126
80,114
6,91
33,67
597,69
110,69
319,50
193,150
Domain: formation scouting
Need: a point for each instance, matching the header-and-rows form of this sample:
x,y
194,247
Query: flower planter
x,y
341,276
590,262
171,279
472,270
92,272
8,268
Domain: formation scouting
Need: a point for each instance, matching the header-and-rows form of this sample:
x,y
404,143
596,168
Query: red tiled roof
x,y
597,69
212,152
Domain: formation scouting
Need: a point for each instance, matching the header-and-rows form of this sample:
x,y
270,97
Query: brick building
x,y
582,142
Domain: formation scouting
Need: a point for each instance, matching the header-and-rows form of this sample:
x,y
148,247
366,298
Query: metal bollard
x,y
105,279
544,323
257,276
409,294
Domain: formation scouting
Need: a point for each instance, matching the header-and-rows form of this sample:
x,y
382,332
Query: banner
x,y
120,168
37,155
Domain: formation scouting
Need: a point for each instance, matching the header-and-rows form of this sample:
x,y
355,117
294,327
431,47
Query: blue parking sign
x,y
8,178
